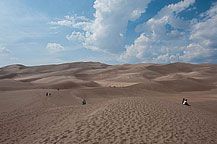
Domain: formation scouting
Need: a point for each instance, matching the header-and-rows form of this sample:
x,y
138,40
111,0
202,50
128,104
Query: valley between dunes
x,y
129,103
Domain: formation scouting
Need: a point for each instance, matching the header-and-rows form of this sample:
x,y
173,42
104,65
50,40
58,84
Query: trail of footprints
x,y
141,120
134,120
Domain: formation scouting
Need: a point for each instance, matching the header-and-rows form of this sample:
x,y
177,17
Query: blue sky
x,y
36,32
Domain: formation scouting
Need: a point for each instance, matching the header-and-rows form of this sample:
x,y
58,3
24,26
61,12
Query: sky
x,y
41,32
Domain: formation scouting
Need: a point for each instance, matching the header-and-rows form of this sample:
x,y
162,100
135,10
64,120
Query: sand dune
x,y
141,120
119,75
9,84
130,103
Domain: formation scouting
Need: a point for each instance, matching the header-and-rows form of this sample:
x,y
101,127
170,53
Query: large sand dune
x,y
130,103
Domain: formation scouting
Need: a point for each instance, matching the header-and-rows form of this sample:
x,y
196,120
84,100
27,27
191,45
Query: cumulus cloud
x,y
194,51
171,39
157,43
106,31
164,38
167,58
136,51
54,47
203,37
205,31
111,19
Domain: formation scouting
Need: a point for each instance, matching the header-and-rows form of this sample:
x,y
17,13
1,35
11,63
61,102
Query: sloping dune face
x,y
52,76
140,120
177,76
129,103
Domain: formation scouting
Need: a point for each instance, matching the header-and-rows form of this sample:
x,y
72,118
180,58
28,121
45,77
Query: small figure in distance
x,y
185,102
83,102
58,89
49,94
46,93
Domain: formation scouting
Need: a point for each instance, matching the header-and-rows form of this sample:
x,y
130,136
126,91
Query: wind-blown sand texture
x,y
139,103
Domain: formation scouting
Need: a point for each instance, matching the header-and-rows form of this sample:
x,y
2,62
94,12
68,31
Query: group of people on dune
x,y
49,94
184,100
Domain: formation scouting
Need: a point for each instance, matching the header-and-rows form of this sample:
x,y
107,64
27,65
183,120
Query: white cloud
x,y
163,58
76,36
205,31
54,47
111,19
196,42
4,50
137,50
203,37
79,22
194,51
164,38
156,43
178,7
106,31
62,23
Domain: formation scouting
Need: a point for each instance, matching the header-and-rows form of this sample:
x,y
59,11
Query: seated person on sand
x,y
184,102
83,102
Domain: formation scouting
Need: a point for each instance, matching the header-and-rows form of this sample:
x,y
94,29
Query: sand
x,y
141,120
138,103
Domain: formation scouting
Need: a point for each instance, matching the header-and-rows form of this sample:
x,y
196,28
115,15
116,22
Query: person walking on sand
x,y
83,102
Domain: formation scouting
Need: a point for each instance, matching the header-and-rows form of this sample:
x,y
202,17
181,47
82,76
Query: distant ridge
x,y
174,77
